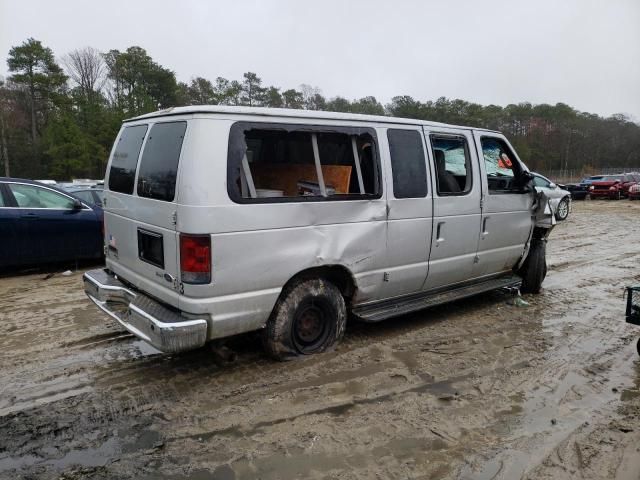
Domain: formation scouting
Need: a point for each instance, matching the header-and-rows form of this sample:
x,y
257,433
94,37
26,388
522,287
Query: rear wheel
x,y
562,212
309,317
534,269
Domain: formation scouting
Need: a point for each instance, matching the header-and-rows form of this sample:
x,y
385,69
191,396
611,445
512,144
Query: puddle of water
x,y
86,457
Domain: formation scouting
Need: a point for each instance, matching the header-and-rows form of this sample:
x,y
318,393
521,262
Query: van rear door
x,y
140,207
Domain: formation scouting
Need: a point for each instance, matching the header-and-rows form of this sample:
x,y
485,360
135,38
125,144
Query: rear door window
x,y
159,163
125,159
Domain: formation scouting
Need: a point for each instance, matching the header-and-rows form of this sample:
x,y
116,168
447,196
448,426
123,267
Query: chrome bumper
x,y
146,318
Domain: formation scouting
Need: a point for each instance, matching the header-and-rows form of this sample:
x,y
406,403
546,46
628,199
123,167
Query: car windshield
x,y
612,178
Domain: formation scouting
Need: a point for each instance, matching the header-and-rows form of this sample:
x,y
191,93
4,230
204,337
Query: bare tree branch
x,y
86,67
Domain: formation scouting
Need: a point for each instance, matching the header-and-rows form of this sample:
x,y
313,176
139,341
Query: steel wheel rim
x,y
310,327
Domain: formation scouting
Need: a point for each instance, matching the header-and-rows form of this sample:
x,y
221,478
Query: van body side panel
x,y
456,222
408,232
507,219
257,248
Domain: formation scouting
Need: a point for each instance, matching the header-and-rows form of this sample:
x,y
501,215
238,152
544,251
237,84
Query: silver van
x,y
223,220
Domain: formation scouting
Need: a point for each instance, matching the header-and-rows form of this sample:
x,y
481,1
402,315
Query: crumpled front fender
x,y
543,212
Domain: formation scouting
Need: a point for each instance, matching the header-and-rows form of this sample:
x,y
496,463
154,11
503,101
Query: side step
x,y
378,311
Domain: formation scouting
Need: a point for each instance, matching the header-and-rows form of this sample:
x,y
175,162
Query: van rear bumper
x,y
165,329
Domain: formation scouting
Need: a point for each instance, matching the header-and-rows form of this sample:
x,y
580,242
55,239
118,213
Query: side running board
x,y
375,312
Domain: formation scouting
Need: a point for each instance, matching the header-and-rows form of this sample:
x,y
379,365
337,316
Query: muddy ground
x,y
478,389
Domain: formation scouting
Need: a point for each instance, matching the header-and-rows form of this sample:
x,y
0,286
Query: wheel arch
x,y
339,275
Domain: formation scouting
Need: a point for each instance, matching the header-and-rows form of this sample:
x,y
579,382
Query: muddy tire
x,y
534,269
562,212
309,317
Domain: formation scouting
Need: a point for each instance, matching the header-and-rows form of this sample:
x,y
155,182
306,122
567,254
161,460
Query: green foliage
x,y
69,150
138,84
64,127
36,69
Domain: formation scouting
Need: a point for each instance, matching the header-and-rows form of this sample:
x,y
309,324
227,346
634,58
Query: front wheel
x,y
534,268
562,212
309,317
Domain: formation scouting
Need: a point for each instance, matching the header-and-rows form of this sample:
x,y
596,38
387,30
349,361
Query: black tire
x,y
534,268
638,346
562,212
309,317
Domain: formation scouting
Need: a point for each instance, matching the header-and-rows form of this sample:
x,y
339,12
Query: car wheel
x,y
562,212
534,269
309,317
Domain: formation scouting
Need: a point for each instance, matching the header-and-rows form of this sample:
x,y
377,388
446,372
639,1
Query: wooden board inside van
x,y
285,177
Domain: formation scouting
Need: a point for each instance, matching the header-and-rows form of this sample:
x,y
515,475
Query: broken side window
x,y
302,163
500,164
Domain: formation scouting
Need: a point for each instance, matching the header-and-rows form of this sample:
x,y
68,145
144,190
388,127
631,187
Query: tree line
x,y
58,119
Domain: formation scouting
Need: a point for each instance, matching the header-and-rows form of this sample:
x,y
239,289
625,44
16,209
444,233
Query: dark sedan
x,y
42,224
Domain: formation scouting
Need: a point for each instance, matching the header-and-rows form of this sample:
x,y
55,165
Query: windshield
x,y
612,178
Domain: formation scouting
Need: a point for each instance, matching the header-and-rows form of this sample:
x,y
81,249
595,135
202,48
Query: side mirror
x,y
552,185
77,205
527,176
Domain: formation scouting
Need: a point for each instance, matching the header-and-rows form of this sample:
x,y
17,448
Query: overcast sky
x,y
585,53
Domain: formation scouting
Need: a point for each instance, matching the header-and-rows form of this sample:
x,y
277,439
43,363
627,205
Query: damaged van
x,y
224,220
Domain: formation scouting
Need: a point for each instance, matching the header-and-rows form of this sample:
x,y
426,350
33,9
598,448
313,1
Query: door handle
x,y
29,215
484,227
439,239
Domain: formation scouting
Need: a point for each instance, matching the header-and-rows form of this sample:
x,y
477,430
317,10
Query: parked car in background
x,y
614,187
559,197
41,224
579,191
634,192
48,182
92,196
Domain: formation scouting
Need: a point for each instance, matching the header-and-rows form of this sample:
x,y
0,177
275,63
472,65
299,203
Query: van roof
x,y
288,112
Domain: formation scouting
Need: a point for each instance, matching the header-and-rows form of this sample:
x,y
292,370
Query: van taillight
x,y
195,258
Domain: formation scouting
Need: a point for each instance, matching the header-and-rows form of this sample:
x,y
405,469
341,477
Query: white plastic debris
x,y
67,273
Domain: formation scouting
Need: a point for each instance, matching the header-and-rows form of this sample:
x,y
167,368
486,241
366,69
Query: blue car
x,y
41,224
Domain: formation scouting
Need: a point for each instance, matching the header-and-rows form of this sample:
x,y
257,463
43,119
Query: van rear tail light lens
x,y
195,258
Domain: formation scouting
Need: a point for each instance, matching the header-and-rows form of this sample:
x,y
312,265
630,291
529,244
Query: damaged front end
x,y
543,214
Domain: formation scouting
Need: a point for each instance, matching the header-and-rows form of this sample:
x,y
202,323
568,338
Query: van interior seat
x,y
447,182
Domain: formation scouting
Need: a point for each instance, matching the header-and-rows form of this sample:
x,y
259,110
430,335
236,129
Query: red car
x,y
634,192
612,186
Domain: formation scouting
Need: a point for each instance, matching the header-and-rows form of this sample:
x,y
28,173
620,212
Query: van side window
x,y
407,163
159,162
453,164
270,162
125,159
500,164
